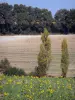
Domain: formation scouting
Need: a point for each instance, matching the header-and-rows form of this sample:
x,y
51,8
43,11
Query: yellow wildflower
x,y
51,90
6,94
18,83
70,87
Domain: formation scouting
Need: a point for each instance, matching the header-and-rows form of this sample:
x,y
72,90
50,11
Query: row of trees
x,y
20,19
44,56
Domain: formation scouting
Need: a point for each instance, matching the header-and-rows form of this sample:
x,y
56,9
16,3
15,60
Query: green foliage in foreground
x,y
34,88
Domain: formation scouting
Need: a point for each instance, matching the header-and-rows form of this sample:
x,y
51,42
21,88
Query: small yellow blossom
x,y
69,87
18,83
51,90
6,94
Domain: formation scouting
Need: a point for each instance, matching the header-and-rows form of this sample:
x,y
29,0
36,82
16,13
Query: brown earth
x,y
22,52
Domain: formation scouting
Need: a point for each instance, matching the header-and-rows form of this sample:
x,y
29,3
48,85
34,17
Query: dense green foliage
x,y
7,69
64,58
14,71
65,20
33,88
44,56
20,19
4,64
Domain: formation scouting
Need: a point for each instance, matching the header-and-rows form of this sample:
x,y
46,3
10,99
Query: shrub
x,y
4,64
44,56
14,71
64,58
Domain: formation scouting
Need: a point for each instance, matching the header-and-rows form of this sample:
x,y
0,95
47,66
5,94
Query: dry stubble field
x,y
22,52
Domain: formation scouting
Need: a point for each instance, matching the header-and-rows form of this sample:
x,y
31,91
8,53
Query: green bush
x,y
14,71
5,64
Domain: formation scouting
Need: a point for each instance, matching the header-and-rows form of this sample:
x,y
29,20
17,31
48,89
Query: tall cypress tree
x,y
64,58
44,56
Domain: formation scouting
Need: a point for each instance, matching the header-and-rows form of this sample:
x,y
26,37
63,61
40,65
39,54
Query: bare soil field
x,y
22,52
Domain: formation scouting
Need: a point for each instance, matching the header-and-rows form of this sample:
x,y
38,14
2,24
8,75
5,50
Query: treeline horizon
x,y
21,19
